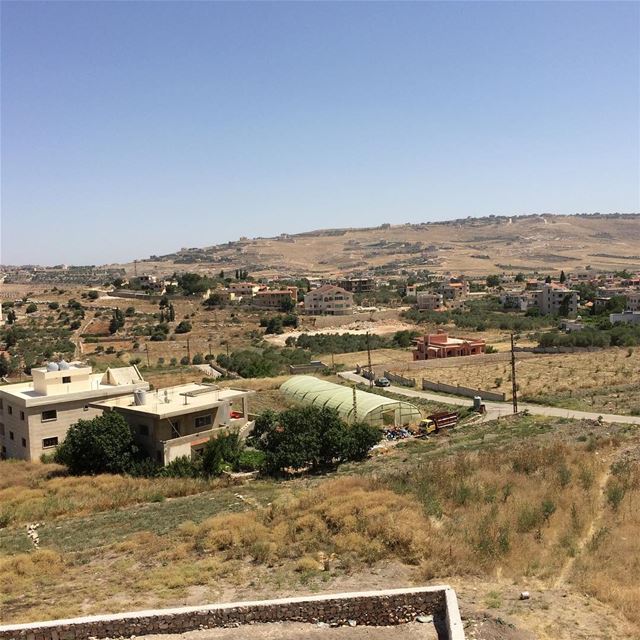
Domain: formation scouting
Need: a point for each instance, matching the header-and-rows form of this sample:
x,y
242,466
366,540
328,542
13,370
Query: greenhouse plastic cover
x,y
370,407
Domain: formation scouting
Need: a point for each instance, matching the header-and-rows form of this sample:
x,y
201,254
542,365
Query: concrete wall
x,y
462,391
463,361
391,607
398,379
307,368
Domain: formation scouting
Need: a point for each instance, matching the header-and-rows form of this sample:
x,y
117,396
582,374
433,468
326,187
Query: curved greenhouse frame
x,y
374,409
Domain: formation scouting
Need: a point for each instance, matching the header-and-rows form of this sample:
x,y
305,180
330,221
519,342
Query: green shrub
x,y
182,467
251,460
183,327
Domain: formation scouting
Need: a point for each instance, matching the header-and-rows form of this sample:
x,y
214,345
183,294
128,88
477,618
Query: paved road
x,y
496,409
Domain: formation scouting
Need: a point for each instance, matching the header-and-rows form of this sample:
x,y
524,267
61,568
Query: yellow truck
x,y
437,421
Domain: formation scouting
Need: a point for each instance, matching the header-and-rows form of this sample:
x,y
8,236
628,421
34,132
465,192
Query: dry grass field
x,y
518,502
605,381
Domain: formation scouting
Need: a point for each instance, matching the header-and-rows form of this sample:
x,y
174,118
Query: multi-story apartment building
x,y
328,300
633,301
427,300
358,285
275,299
551,298
516,299
35,416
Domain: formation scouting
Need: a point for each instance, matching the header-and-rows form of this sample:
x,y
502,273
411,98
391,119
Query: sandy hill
x,y
474,246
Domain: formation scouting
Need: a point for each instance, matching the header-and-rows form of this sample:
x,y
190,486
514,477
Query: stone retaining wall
x,y
376,608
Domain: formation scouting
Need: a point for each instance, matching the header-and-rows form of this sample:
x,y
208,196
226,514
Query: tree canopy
x,y
310,437
101,445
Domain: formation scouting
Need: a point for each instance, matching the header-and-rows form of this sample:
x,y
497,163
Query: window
x,y
47,443
24,442
10,435
22,415
66,379
203,421
143,429
10,409
86,407
51,414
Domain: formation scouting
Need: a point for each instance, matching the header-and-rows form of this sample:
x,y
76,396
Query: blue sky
x,y
137,128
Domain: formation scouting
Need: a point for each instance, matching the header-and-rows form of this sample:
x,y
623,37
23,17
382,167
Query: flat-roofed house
x,y
35,416
440,345
276,299
551,298
180,420
455,289
248,289
427,300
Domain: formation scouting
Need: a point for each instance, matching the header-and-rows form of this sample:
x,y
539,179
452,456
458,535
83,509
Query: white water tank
x,y
139,397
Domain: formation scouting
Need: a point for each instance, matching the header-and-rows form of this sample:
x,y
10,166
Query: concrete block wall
x,y
374,608
462,391
398,379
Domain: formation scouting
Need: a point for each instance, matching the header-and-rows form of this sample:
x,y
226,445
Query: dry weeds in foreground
x,y
609,567
517,511
33,492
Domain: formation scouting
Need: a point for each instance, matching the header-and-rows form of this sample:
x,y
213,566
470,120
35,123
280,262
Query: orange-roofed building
x,y
440,345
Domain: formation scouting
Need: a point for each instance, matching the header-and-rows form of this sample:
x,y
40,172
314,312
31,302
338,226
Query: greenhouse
x,y
352,404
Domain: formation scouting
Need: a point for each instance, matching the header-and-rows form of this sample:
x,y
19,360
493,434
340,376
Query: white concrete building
x,y
179,421
626,317
245,289
35,416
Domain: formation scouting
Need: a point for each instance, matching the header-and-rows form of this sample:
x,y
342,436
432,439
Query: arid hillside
x,y
473,246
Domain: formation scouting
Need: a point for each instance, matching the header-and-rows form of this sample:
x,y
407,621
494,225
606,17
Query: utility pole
x,y
514,386
210,354
369,361
188,351
355,405
146,348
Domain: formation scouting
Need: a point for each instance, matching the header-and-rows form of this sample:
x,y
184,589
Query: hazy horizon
x,y
132,129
